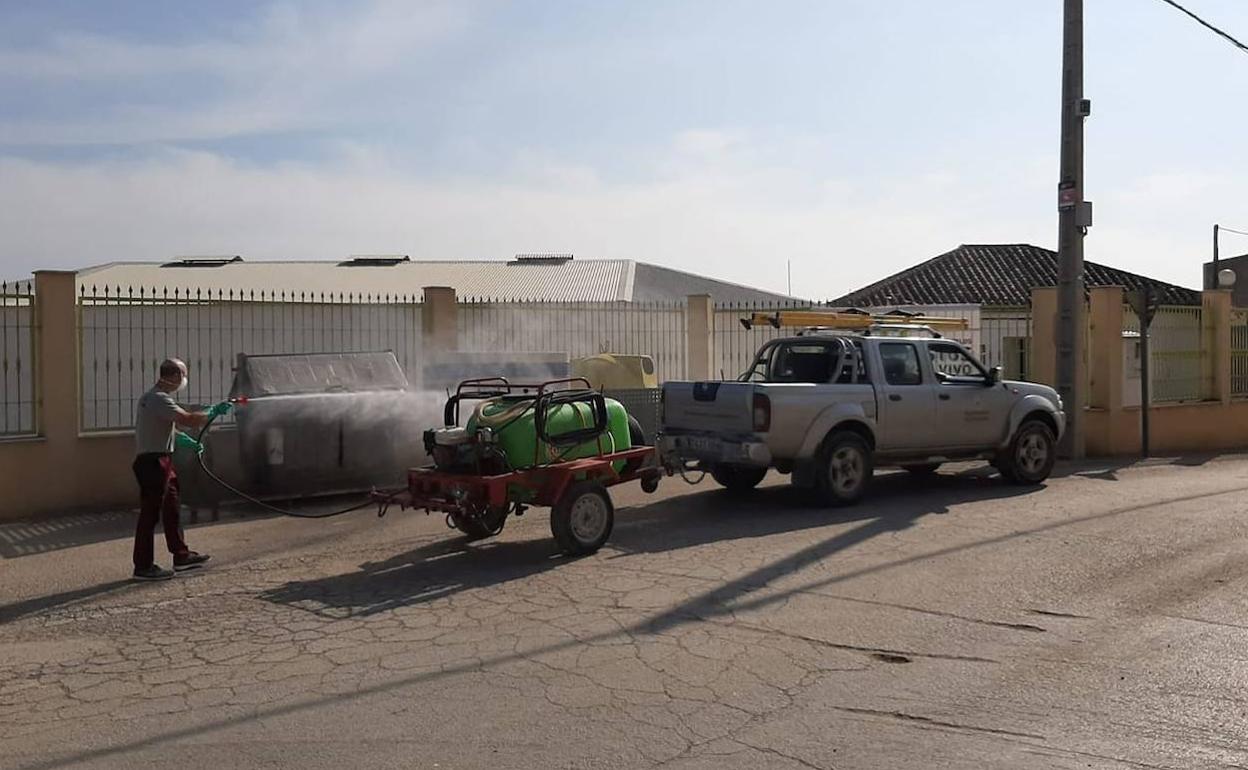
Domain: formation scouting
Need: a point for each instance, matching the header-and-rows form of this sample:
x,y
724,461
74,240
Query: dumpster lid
x,y
305,373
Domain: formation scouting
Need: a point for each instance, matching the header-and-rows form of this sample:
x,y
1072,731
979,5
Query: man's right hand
x,y
186,442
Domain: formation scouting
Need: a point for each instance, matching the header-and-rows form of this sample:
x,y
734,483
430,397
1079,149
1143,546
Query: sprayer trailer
x,y
556,444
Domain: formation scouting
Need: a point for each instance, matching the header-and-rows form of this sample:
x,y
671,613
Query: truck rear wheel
x,y
738,479
843,470
583,518
1030,456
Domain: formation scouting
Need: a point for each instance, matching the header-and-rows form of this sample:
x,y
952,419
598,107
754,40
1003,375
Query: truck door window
x,y
901,363
954,366
810,363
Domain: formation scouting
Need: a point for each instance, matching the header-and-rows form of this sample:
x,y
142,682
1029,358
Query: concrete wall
x,y
1214,424
63,468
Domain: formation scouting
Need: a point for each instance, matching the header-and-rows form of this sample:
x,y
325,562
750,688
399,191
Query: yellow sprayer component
x,y
616,371
827,319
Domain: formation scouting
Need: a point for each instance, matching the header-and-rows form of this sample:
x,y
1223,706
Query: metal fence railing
x,y
1239,353
656,329
735,345
1176,347
1005,341
18,330
1175,339
125,333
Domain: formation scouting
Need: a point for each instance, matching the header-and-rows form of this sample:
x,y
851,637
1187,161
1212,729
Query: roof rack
x,y
827,320
203,261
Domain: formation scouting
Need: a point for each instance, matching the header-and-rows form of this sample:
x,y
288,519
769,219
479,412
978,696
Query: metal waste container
x,y
326,422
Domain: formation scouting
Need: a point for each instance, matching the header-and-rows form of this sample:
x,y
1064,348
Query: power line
x,y
1230,230
1226,36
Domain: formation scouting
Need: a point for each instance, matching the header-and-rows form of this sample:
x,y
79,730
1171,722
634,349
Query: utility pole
x,y
1074,216
1212,281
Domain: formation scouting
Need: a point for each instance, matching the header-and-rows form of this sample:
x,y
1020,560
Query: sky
x,y
850,138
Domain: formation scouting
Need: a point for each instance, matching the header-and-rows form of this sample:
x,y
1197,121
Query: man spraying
x,y
156,423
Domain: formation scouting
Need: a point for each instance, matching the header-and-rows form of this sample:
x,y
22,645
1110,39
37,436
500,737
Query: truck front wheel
x,y
738,479
1030,456
843,469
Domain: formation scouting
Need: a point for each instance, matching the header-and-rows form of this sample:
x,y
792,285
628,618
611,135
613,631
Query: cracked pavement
x,y
955,622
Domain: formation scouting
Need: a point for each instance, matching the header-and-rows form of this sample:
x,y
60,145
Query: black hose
x,y
254,501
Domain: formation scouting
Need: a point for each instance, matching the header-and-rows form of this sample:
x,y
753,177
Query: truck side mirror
x,y
994,375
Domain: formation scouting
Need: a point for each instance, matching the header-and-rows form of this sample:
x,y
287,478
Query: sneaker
x,y
154,572
190,560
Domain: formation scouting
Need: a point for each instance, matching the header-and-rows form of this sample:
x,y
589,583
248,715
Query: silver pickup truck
x,y
829,407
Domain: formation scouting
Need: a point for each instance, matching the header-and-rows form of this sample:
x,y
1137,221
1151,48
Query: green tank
x,y
513,420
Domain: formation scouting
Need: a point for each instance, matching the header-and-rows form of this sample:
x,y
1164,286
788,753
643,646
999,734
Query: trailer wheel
x,y
650,484
487,523
583,518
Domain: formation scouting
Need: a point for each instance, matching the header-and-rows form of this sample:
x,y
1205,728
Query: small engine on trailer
x,y
454,449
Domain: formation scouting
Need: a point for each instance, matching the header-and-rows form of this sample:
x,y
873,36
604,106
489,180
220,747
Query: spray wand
x,y
223,408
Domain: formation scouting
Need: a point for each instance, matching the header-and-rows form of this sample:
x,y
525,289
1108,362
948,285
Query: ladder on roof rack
x,y
829,319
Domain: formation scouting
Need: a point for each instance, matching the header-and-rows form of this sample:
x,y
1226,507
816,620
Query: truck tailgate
x,y
724,408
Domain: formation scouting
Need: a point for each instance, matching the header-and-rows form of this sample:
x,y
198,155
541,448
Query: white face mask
x,y
182,385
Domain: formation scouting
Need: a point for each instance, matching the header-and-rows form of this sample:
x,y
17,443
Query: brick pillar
x,y
1042,363
57,358
700,343
1216,344
1105,349
440,319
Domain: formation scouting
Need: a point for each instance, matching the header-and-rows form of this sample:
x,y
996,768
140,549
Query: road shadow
x,y
57,532
1107,469
894,502
20,609
433,571
28,537
438,570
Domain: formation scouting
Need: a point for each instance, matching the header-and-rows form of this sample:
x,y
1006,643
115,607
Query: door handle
x,y
894,397
944,396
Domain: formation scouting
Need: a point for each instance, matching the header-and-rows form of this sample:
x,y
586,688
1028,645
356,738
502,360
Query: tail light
x,y
762,413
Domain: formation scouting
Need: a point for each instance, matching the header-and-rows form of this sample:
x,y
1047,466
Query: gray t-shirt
x,y
153,422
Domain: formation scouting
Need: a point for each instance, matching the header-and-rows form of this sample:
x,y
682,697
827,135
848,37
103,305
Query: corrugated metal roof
x,y
576,280
999,275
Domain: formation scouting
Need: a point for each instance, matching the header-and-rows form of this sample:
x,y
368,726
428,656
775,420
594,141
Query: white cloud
x,y
285,70
732,221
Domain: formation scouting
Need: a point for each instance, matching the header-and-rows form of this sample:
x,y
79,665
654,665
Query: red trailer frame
x,y
572,488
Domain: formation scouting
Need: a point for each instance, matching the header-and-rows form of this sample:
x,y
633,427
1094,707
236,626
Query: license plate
x,y
698,444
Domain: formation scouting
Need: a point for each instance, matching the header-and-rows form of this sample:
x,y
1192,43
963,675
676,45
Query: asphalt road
x,y
1100,621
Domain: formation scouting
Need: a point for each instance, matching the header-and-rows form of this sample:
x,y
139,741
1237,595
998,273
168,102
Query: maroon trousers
x,y
158,502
